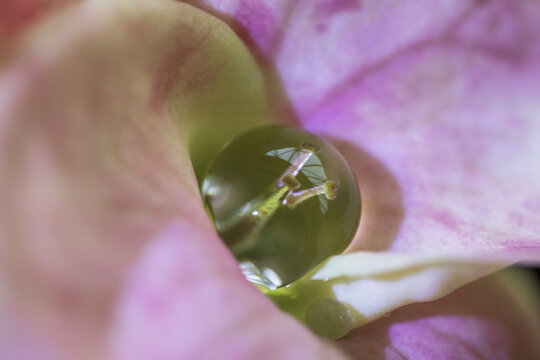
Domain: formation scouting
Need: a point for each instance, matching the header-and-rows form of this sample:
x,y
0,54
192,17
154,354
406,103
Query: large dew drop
x,y
283,200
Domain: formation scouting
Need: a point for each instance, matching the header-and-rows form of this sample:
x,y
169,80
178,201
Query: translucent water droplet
x,y
329,318
283,200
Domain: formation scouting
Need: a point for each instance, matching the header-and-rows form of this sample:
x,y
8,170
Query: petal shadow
x,y
382,199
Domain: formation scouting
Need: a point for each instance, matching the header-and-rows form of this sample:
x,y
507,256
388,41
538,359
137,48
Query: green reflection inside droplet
x,y
283,200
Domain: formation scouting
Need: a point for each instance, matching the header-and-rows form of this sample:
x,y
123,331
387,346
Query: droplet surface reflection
x,y
283,200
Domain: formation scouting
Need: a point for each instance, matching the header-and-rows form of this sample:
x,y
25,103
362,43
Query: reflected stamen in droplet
x,y
306,151
328,189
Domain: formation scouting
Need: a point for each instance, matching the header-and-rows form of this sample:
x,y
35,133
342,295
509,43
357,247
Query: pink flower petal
x,y
17,15
435,105
186,301
100,104
488,319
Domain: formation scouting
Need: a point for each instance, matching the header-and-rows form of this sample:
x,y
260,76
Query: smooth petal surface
x,y
435,107
184,301
100,104
488,319
17,15
438,102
